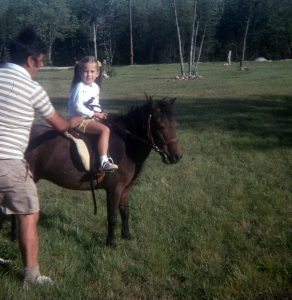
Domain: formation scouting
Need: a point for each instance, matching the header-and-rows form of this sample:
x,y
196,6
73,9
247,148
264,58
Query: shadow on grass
x,y
56,223
263,122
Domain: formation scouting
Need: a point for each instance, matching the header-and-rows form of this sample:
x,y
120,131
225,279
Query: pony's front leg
x,y
124,212
112,215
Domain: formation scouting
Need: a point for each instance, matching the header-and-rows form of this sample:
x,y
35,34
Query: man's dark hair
x,y
26,44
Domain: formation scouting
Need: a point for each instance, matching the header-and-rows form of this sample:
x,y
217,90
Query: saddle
x,y
86,152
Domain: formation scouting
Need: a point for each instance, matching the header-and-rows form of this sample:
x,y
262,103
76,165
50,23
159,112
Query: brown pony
x,y
53,157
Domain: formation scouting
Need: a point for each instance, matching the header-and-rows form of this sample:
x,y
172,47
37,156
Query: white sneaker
x,y
108,166
39,280
5,262
43,280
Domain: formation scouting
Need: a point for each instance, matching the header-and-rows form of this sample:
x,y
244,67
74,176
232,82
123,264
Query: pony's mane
x,y
163,106
135,118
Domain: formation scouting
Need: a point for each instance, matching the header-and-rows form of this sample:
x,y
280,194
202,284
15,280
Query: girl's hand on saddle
x,y
100,115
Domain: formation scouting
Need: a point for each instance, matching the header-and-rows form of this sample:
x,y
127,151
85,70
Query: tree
x,y
193,39
54,21
131,33
3,29
244,45
165,31
181,59
111,19
200,52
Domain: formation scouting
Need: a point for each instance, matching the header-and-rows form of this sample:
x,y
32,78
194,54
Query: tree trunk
x,y
50,47
131,33
200,51
94,40
229,58
244,45
179,39
195,47
192,39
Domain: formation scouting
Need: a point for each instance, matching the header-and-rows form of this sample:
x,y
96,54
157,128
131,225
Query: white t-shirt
x,y
84,100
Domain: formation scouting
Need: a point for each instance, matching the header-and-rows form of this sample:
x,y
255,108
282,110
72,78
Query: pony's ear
x,y
149,100
172,100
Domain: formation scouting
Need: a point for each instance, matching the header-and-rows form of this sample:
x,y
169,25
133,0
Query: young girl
x,y
84,101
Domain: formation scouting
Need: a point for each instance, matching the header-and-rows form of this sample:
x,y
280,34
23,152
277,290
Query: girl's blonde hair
x,y
77,77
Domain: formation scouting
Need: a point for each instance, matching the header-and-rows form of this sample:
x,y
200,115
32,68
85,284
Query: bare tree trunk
x,y
131,34
200,51
229,58
244,45
50,47
94,40
195,47
192,39
179,39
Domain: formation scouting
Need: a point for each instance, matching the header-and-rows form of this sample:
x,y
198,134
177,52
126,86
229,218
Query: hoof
x,y
127,236
111,243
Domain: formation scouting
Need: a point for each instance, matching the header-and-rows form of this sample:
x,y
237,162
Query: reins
x,y
150,142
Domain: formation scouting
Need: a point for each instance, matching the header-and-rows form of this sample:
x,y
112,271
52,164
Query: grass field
x,y
217,225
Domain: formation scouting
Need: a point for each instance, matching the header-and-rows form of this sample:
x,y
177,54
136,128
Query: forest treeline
x,y
68,26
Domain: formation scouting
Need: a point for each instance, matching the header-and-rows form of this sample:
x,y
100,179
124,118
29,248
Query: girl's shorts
x,y
82,126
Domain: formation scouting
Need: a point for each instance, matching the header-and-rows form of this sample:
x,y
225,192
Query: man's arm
x,y
61,124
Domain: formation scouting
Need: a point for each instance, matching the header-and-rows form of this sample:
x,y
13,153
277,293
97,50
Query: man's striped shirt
x,y
20,97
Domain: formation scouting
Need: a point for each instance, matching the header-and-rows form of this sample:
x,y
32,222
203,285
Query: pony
x,y
151,126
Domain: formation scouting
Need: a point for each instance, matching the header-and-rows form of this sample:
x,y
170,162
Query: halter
x,y
151,139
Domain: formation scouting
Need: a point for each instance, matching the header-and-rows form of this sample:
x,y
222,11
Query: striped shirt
x,y
20,97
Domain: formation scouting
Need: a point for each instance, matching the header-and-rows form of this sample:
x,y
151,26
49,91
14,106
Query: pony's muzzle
x,y
172,157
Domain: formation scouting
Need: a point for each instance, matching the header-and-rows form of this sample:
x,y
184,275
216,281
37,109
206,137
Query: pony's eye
x,y
161,127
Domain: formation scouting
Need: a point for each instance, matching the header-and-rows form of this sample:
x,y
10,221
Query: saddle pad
x,y
81,149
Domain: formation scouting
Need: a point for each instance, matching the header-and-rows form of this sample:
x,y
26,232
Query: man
x,y
20,97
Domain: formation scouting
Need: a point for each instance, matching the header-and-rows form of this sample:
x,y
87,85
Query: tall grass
x,y
217,225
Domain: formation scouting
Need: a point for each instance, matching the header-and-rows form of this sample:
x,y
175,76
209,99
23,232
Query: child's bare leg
x,y
94,127
104,133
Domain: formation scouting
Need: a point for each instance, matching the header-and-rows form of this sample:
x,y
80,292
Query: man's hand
x,y
62,124
75,121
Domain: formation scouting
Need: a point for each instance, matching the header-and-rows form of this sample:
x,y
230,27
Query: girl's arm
x,y
76,104
95,103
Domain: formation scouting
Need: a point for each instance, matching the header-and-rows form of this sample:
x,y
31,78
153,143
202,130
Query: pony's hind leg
x,y
14,225
14,228
1,218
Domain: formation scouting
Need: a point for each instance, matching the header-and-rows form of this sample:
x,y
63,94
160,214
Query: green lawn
x,y
217,225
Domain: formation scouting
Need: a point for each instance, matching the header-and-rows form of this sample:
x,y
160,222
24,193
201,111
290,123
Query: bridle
x,y
151,141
